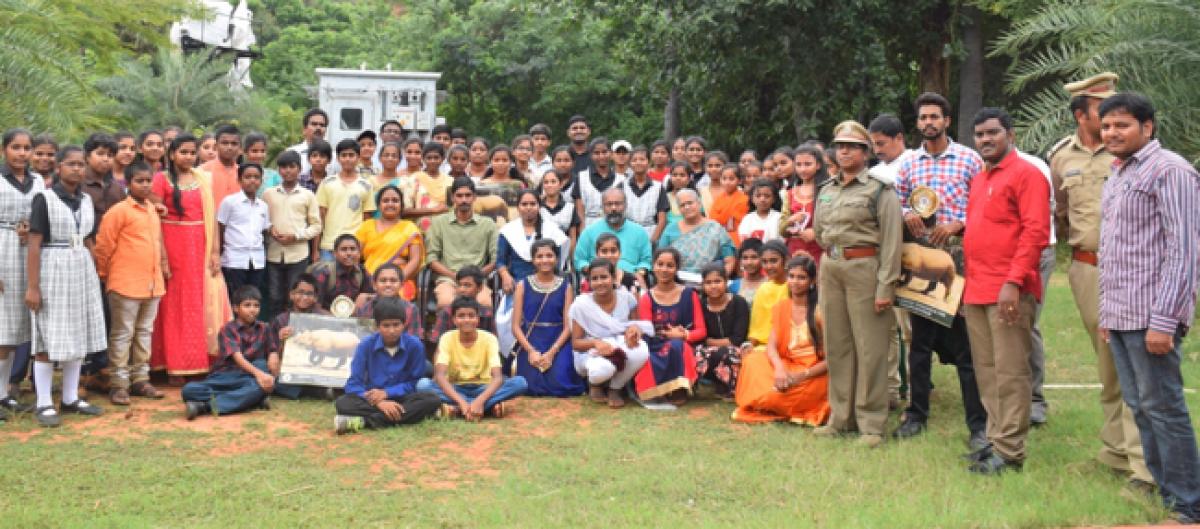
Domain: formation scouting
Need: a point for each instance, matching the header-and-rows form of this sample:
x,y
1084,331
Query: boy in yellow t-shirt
x,y
345,201
466,372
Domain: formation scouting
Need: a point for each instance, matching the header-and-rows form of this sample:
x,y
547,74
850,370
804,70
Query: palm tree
x,y
41,86
187,90
51,50
1154,45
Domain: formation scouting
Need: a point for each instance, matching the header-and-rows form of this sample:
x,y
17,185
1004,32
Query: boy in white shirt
x,y
244,221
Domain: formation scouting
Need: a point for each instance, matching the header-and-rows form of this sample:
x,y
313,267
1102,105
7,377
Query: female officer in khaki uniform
x,y
857,222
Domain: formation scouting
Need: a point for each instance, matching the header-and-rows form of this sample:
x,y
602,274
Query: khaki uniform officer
x,y
857,222
1079,166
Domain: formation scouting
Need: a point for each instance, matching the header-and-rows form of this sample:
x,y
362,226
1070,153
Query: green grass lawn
x,y
565,463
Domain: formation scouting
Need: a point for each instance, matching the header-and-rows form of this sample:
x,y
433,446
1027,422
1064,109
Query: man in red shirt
x,y
1008,212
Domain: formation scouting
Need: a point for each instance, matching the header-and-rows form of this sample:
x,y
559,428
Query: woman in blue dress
x,y
540,305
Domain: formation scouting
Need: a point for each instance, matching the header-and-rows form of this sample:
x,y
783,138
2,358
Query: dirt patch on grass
x,y
451,456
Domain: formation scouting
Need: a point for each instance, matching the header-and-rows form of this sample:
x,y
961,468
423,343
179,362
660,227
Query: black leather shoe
x,y
994,466
46,416
12,405
1037,415
979,455
81,407
194,409
265,403
978,441
910,428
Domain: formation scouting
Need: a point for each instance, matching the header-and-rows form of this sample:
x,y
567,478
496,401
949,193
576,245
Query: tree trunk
x,y
671,115
970,79
934,69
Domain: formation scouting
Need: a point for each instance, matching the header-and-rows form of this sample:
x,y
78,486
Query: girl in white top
x,y
763,222
606,339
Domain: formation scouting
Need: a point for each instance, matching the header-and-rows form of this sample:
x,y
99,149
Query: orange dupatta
x,y
216,298
728,210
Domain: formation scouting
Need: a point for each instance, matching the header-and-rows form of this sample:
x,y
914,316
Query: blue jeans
x,y
1152,386
228,391
512,387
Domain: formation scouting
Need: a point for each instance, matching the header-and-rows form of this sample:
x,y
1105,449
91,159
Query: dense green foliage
x,y
1154,45
52,50
742,73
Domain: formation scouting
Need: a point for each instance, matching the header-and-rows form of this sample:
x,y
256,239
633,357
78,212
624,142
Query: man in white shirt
x,y
887,136
1037,356
316,122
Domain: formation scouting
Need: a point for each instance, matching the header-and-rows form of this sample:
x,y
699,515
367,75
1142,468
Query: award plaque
x,y
924,202
342,307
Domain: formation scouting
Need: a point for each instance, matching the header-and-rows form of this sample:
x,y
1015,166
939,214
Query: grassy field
x,y
560,463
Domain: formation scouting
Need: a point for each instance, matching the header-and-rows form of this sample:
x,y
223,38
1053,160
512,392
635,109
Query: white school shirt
x,y
755,226
245,219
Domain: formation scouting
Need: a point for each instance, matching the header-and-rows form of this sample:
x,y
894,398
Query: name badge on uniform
x,y
824,199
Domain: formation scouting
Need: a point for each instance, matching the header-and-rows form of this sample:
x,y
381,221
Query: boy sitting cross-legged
x,y
244,374
467,373
383,387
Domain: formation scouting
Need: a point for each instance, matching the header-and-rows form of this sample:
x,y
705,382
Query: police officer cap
x,y
1100,86
851,131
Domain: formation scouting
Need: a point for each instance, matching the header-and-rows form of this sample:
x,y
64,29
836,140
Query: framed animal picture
x,y
930,284
320,349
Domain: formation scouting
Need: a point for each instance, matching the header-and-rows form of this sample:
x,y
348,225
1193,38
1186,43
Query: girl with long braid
x,y
194,282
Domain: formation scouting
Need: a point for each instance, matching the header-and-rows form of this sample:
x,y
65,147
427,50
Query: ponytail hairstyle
x,y
537,234
543,243
554,153
802,259
176,194
667,184
817,154
513,173
674,253
141,139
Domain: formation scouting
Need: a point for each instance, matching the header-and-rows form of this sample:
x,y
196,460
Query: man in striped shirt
x,y
1149,234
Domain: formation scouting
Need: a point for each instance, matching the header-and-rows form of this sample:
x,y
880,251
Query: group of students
x,y
621,271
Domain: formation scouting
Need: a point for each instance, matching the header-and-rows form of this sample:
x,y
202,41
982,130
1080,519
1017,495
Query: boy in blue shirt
x,y
382,388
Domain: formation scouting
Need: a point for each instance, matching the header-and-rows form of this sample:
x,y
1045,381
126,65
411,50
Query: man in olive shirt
x,y
1079,166
857,222
459,238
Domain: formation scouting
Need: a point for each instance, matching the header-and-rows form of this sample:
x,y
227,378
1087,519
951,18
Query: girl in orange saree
x,y
788,380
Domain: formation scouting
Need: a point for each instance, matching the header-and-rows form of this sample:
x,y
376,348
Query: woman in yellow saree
x,y
391,239
788,380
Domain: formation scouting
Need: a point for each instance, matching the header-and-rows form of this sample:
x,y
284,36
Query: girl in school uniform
x,y
63,289
18,185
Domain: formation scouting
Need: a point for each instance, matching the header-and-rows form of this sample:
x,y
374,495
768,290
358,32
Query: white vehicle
x,y
359,100
227,32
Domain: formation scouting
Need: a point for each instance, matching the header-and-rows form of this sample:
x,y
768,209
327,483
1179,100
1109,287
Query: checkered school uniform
x,y
70,323
14,208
